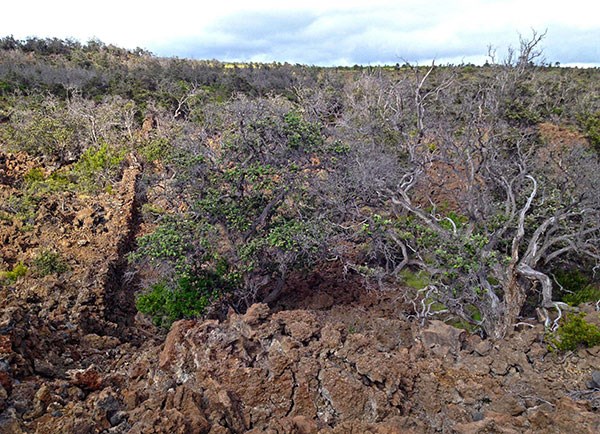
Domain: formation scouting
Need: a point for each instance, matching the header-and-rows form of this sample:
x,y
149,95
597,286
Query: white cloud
x,y
317,31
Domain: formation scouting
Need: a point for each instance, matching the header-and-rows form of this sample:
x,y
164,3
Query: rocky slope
x,y
330,356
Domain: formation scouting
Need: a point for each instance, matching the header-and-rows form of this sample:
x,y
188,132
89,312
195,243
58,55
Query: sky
x,y
319,32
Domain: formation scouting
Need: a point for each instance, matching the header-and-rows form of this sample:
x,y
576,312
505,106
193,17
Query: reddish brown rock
x,y
87,379
256,314
5,344
174,338
443,336
6,381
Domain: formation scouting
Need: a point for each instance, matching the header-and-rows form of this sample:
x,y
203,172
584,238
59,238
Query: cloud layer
x,y
333,32
390,32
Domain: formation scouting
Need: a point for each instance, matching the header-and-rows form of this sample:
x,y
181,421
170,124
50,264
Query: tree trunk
x,y
514,299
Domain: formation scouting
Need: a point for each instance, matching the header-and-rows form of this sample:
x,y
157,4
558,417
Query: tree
x,y
246,213
476,198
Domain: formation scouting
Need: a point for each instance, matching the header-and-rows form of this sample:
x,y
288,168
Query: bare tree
x,y
476,201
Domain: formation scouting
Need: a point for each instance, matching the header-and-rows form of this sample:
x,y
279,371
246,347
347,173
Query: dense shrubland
x,y
437,172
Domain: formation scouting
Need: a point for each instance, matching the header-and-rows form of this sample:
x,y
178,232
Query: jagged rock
x,y
3,397
87,379
595,382
10,422
174,338
92,340
45,368
256,314
6,381
441,336
5,345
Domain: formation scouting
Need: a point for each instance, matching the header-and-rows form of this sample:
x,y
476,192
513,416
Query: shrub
x,y
586,294
577,287
8,277
190,298
38,184
34,175
48,262
590,123
300,133
575,332
156,149
98,167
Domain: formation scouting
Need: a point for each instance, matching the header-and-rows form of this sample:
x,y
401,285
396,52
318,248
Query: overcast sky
x,y
320,32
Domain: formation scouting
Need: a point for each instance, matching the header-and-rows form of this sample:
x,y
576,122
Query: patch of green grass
x,y
34,175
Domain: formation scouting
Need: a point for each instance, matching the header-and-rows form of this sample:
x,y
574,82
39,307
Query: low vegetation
x,y
49,262
11,276
432,181
575,332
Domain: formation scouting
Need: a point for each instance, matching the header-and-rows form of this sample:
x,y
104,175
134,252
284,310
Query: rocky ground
x,y
330,356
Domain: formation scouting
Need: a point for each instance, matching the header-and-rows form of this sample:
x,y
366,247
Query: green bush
x,y
38,184
8,277
575,332
98,168
34,175
24,208
590,123
48,262
586,294
189,299
156,149
577,287
47,136
300,133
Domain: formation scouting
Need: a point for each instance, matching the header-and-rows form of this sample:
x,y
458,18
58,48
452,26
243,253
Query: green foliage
x,y
151,212
193,275
23,207
179,243
35,175
49,262
42,126
338,147
43,136
300,133
37,184
155,149
416,280
587,294
98,168
190,298
519,112
590,123
18,270
575,332
577,288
